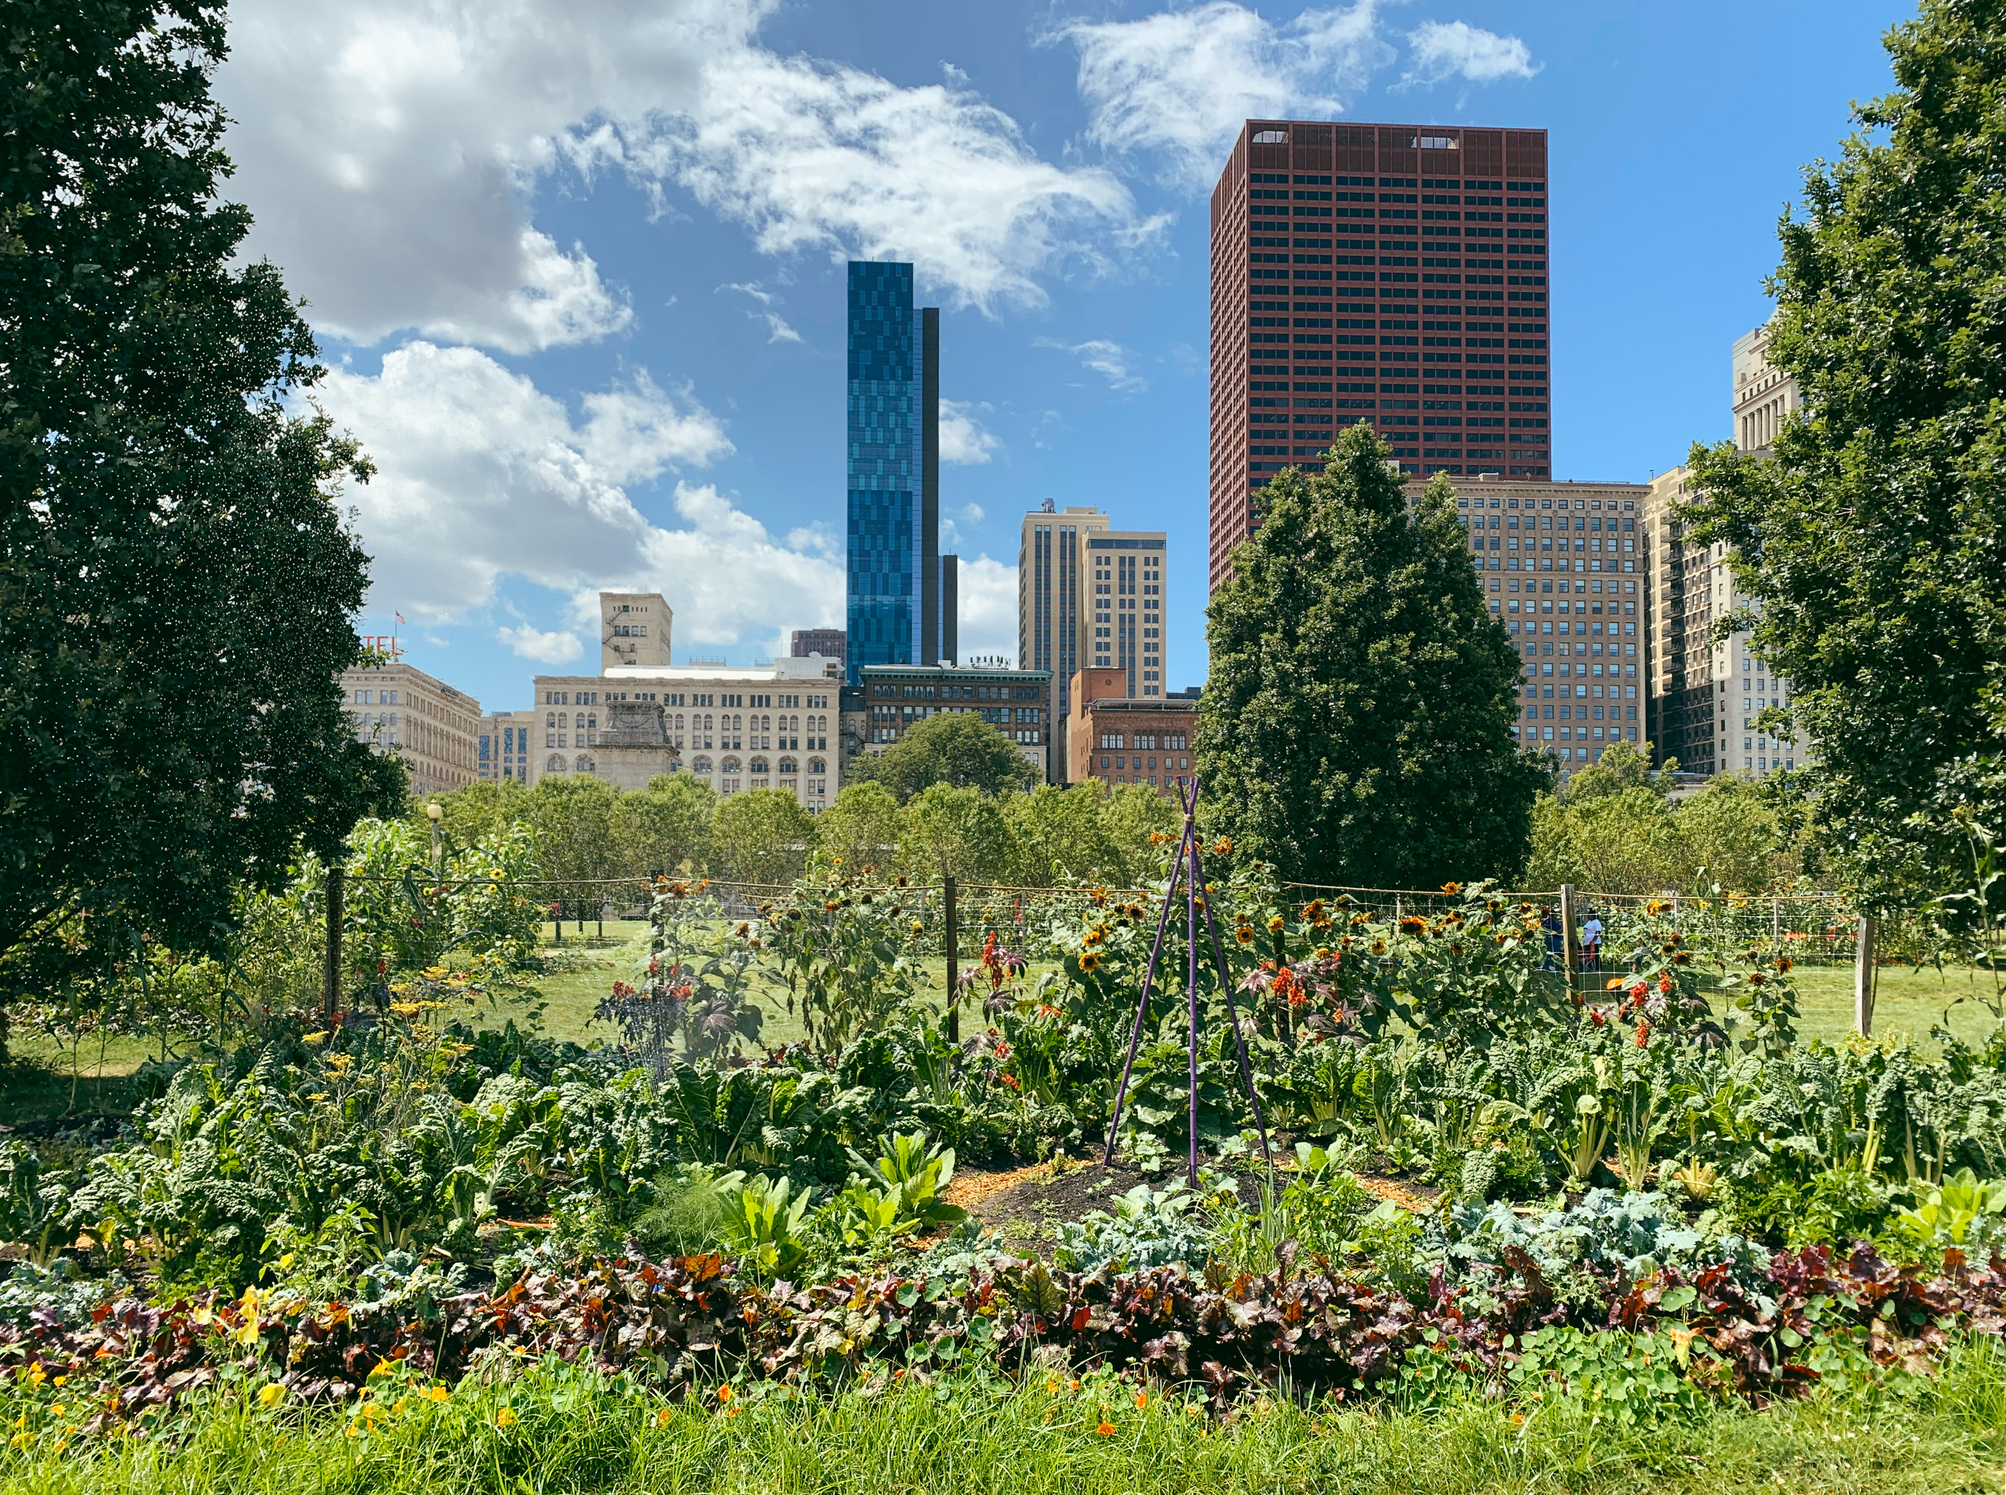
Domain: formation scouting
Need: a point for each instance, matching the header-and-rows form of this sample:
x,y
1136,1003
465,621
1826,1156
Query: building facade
x,y
1015,702
1051,608
1567,568
895,590
434,728
827,642
634,629
1121,607
736,728
1118,738
1762,395
502,750
1396,274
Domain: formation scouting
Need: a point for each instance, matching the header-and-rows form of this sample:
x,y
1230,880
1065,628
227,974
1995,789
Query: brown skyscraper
x,y
1367,272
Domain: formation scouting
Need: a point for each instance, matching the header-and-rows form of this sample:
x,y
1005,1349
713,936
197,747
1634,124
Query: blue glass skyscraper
x,y
895,611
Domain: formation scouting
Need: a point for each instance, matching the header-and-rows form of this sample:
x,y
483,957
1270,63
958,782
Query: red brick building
x,y
1120,739
1395,274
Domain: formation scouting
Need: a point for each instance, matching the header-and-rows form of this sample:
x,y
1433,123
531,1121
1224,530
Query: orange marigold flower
x,y
1142,1398
1106,1429
724,1393
1612,983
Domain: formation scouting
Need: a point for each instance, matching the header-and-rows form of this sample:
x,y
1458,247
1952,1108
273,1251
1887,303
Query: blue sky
x,y
578,268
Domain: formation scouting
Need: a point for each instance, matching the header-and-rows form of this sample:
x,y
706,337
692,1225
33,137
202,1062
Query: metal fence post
x,y
1776,923
1863,978
953,963
1567,932
330,997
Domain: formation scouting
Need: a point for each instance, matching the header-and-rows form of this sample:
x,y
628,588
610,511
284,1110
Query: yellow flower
x,y
1275,924
435,1393
505,1418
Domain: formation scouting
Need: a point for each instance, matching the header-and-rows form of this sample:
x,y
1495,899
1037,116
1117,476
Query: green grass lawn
x,y
549,1427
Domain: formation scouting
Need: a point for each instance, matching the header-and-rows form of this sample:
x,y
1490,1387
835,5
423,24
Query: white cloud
x,y
964,439
544,648
987,593
1179,85
776,326
481,475
1109,359
390,153
1448,49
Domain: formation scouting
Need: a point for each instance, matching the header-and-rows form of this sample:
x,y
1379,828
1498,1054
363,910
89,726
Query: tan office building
x,y
1564,567
1707,694
735,727
634,629
434,728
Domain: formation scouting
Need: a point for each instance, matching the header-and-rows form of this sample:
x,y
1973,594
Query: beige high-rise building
x,y
1565,567
634,629
431,726
1121,607
1762,394
1707,693
503,750
1051,562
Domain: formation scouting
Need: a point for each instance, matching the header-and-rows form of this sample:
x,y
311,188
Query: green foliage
x,y
1617,832
169,496
955,748
1869,540
765,1224
1147,1228
1961,1211
952,832
846,947
404,911
1356,729
862,828
762,835
673,820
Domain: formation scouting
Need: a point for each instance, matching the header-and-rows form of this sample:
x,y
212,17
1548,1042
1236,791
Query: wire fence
x,y
1816,928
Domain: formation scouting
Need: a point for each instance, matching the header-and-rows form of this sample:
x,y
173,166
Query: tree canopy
x,y
1356,727
177,586
1870,539
955,748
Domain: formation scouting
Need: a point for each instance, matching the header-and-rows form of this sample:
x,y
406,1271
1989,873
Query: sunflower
x,y
1276,924
1379,947
1089,961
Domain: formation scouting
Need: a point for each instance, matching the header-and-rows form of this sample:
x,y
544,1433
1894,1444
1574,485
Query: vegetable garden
x,y
1634,1190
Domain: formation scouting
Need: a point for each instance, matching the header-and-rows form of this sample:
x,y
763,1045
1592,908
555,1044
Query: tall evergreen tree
x,y
177,587
1872,539
1355,729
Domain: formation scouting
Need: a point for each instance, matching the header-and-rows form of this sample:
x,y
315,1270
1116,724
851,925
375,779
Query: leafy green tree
x,y
862,826
1130,815
1729,835
762,836
1621,766
955,748
673,822
584,831
1555,859
483,808
953,832
1870,539
1626,840
1054,836
1356,728
177,586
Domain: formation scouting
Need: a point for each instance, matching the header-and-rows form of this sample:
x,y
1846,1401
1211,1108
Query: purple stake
x,y
1148,978
1226,986
1191,978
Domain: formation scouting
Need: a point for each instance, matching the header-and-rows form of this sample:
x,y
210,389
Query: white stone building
x,y
735,727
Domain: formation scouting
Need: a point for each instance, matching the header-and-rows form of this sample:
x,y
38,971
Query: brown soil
x,y
1023,1206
